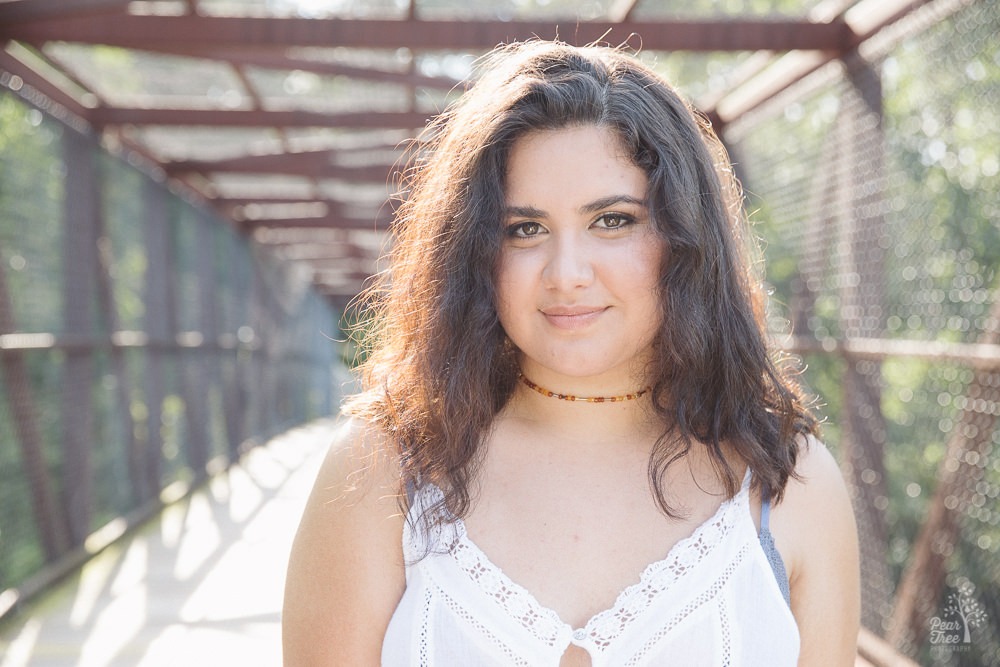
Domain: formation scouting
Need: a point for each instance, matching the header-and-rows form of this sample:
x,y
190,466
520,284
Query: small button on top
x,y
579,635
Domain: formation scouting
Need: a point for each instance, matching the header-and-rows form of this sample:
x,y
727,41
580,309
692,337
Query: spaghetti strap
x,y
411,490
771,550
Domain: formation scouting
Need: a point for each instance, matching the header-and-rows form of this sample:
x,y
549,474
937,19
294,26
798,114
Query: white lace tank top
x,y
713,600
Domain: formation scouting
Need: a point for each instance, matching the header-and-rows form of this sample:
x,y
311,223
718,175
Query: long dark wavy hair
x,y
439,365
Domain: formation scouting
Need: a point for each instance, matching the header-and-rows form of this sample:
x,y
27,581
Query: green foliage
x,y
31,197
940,250
946,159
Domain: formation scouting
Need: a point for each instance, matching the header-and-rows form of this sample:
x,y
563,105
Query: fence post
x,y
158,323
862,314
80,265
185,252
109,311
230,360
207,370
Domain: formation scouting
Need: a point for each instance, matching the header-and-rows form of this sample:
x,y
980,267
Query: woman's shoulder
x,y
346,572
358,485
816,506
815,533
817,471
360,456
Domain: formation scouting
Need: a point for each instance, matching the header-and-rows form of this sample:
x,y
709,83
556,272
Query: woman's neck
x,y
581,421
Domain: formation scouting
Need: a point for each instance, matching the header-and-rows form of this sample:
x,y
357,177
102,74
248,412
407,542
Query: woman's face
x,y
577,288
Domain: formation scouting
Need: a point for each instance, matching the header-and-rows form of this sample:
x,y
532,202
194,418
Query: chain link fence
x,y
143,345
875,184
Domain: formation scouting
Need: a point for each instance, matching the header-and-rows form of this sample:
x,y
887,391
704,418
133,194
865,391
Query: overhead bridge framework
x,y
156,310
36,33
178,33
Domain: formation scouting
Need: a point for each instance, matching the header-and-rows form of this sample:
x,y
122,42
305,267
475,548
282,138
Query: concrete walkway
x,y
200,585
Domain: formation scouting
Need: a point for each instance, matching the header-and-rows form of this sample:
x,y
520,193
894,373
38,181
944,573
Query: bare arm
x,y
345,573
815,531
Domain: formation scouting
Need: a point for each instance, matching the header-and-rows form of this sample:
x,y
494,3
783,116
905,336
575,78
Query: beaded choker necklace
x,y
589,399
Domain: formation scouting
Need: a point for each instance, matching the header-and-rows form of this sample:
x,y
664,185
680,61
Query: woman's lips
x,y
572,317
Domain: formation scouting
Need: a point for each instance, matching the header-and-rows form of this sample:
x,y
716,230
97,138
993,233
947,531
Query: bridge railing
x,y
143,344
875,182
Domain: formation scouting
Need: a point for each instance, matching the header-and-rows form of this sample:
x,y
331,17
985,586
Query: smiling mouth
x,y
572,318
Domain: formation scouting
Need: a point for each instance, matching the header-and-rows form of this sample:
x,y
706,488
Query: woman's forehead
x,y
584,158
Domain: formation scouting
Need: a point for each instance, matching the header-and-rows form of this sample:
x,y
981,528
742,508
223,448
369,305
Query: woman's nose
x,y
569,264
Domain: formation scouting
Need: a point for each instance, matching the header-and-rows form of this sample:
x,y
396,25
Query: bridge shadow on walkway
x,y
199,585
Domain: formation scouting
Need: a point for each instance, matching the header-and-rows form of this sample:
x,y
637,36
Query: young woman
x,y
573,446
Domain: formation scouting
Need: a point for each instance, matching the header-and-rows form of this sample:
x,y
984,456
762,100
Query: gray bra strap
x,y
771,551
765,516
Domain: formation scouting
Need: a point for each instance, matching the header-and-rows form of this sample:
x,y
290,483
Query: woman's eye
x,y
613,221
524,229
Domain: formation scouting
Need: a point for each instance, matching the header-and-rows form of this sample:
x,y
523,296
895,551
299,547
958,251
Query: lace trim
x,y
608,625
605,626
463,613
517,602
702,599
727,635
425,634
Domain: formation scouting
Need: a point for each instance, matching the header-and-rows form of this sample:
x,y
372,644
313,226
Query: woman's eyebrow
x,y
524,212
591,207
609,201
